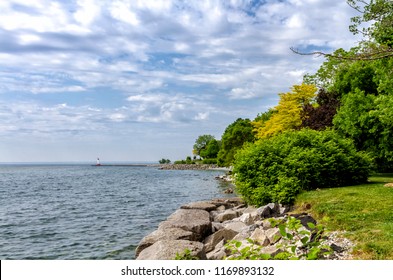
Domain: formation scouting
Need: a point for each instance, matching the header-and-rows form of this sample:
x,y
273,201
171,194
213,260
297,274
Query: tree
x,y
164,161
201,143
380,14
375,23
287,113
211,150
367,119
235,135
319,116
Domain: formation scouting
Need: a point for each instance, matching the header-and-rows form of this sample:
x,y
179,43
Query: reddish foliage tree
x,y
321,116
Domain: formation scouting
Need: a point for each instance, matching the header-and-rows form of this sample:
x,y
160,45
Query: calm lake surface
x,y
88,212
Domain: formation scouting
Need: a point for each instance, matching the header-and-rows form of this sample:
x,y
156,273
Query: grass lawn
x,y
364,212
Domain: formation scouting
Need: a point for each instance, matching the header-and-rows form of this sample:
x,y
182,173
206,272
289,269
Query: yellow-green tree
x,y
287,114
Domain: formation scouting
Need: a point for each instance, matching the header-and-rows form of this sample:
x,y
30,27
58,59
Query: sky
x,y
140,80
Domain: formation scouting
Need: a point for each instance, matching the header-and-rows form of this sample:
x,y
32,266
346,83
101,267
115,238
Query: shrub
x,y
297,243
209,161
278,168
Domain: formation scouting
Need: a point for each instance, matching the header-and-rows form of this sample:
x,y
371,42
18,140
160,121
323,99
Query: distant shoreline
x,y
191,167
122,165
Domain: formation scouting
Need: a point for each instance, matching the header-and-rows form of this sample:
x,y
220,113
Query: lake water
x,y
88,212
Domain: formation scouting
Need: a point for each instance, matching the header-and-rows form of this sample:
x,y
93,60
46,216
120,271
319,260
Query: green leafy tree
x,y
367,120
380,14
201,143
164,161
235,135
211,150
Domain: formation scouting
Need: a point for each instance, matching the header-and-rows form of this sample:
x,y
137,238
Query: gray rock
x,y
271,250
216,226
218,253
273,234
249,218
243,235
250,209
284,209
167,250
236,226
164,234
194,220
226,216
304,220
264,212
212,240
203,205
260,237
266,224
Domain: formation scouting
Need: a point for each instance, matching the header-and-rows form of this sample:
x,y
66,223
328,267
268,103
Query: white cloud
x,y
202,116
168,63
121,10
87,12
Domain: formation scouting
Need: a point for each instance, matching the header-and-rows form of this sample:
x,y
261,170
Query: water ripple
x,y
85,212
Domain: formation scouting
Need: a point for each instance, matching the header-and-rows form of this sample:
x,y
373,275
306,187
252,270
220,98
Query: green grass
x,y
364,212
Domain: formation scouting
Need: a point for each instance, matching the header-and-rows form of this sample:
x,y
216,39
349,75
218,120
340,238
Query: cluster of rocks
x,y
226,177
187,166
205,227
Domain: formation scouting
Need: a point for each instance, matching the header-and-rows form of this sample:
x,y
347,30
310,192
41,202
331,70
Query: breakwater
x,y
205,227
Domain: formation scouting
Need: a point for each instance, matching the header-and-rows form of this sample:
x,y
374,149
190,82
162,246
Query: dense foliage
x,y
287,114
164,161
201,143
211,150
319,116
278,168
235,135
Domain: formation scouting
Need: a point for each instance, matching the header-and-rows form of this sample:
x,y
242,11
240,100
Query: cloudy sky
x,y
140,80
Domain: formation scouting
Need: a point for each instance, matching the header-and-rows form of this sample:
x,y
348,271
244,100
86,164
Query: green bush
x,y
209,161
278,168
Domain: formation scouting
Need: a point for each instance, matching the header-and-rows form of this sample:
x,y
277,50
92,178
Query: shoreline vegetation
x,y
353,228
324,142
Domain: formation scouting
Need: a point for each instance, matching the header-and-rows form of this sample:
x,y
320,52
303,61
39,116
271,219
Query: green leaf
x,y
304,240
311,225
282,230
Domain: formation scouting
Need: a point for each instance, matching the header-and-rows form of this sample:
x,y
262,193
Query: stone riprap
x,y
204,227
187,166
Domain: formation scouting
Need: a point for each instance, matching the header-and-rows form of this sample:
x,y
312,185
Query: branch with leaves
x,y
380,53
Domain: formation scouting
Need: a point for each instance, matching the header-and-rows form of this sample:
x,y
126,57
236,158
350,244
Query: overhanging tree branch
x,y
380,53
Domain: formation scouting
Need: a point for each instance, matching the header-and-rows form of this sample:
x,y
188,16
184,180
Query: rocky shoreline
x,y
189,167
205,227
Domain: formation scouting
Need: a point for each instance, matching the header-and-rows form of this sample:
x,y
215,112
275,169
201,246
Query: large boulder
x,y
203,205
227,215
194,220
212,240
168,249
236,226
161,234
